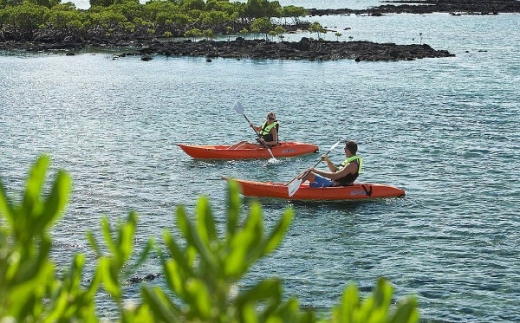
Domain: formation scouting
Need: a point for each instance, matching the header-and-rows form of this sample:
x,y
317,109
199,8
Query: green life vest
x,y
350,178
266,128
351,159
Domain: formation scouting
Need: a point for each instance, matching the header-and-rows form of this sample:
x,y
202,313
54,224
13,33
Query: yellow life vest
x,y
266,128
351,159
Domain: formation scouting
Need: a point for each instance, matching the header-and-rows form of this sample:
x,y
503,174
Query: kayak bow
x,y
284,149
357,191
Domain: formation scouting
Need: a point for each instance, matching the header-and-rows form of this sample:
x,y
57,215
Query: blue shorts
x,y
320,182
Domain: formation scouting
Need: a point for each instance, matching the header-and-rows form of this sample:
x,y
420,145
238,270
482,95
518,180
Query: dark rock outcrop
x,y
476,7
305,49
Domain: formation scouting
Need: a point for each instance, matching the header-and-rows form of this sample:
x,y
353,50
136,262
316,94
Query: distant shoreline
x,y
454,7
306,48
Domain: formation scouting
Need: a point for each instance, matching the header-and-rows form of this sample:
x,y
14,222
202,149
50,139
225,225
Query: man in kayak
x,y
267,134
345,174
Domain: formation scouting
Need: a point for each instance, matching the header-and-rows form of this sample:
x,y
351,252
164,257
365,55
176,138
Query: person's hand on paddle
x,y
330,165
295,183
255,127
240,110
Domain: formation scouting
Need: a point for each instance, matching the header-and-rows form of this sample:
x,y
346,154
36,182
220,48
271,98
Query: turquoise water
x,y
445,130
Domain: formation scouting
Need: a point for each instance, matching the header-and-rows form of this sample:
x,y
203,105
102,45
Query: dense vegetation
x,y
202,270
51,20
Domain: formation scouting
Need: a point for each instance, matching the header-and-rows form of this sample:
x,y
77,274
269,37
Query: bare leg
x,y
310,176
248,145
235,146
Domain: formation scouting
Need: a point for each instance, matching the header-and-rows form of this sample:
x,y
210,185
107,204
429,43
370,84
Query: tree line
x,y
51,20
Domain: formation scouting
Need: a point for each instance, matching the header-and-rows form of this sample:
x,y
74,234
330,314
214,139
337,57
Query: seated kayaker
x,y
344,174
267,134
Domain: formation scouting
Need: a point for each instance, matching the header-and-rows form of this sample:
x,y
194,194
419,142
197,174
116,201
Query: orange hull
x,y
358,191
284,149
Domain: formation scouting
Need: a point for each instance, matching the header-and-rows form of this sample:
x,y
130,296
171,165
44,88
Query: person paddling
x,y
267,134
345,174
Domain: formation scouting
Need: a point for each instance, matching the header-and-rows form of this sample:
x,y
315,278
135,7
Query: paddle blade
x,y
238,107
334,146
294,186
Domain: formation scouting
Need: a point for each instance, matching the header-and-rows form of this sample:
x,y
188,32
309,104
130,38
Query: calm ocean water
x,y
445,130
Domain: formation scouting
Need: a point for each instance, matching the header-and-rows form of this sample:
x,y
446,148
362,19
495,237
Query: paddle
x,y
295,183
240,110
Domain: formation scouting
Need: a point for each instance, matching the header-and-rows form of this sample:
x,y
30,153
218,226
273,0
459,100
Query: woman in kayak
x,y
267,134
345,174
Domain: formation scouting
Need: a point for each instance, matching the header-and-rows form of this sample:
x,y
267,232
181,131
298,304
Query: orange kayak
x,y
357,191
284,149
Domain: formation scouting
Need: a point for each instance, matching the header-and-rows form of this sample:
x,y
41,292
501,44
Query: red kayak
x,y
284,149
357,191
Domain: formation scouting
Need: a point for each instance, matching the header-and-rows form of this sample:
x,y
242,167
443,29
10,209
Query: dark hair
x,y
352,147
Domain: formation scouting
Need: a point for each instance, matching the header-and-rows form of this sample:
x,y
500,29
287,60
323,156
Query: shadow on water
x,y
329,210
319,206
257,163
202,163
322,206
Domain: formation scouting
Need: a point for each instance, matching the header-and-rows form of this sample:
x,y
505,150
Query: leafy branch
x,y
201,269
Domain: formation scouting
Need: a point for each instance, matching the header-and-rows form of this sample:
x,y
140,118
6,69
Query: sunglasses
x,y
270,118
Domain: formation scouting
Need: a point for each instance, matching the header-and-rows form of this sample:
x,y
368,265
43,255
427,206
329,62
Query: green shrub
x,y
201,270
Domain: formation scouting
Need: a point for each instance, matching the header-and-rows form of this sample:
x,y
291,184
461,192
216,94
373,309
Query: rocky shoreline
x,y
241,48
305,49
454,7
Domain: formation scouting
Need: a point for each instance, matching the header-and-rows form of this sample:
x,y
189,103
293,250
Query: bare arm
x,y
331,166
257,129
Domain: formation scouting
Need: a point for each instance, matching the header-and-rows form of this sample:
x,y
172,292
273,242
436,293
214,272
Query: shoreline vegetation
x,y
189,28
